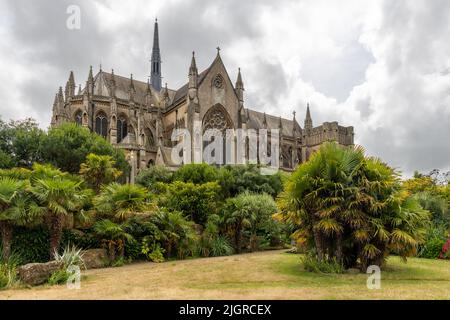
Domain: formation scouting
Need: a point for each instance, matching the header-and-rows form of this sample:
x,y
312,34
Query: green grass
x,y
262,275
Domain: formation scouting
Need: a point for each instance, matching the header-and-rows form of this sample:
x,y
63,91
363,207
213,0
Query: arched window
x,y
217,118
122,129
101,124
149,139
79,117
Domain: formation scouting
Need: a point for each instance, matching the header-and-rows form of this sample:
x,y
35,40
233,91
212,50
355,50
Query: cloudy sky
x,y
380,66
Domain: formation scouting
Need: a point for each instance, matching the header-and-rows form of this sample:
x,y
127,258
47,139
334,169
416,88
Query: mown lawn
x,y
262,275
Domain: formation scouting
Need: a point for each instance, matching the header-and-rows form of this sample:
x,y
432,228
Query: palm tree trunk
x,y
318,243
6,229
339,248
56,229
237,240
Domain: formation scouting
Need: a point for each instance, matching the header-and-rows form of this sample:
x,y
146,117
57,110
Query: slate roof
x,y
102,86
256,121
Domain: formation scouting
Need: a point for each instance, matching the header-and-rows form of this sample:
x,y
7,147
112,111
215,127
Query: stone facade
x,y
139,117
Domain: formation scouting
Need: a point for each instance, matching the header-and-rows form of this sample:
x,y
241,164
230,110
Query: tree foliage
x,y
351,208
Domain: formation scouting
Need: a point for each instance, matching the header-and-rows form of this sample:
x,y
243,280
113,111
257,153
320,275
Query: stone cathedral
x,y
139,117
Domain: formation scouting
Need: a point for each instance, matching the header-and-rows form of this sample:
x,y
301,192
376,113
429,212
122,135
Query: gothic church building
x,y
139,117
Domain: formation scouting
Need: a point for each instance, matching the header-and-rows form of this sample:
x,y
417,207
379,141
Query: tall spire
x,y
193,73
155,74
308,119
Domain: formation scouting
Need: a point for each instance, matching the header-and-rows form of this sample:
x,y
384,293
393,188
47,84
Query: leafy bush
x,y
153,252
220,246
312,264
8,270
31,244
237,179
152,175
196,201
434,240
59,277
196,173
132,249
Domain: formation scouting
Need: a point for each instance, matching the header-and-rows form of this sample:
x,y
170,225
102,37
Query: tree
x,y
351,208
196,201
113,236
98,170
20,143
122,201
67,146
60,196
16,208
177,233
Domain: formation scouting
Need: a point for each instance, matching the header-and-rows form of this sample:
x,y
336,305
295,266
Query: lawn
x,y
262,275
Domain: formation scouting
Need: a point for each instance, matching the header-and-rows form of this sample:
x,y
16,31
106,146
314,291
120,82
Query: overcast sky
x,y
380,66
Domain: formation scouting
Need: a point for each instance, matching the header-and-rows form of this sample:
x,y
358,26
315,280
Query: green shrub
x,y
434,240
153,253
195,201
133,249
32,244
59,277
196,173
238,179
312,264
4,280
151,176
220,246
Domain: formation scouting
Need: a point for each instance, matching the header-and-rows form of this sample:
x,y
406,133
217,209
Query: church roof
x,y
256,120
182,92
102,87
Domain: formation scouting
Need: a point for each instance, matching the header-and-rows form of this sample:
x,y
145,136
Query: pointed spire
x,y
155,73
79,89
193,73
240,87
280,124
239,82
265,120
90,82
70,87
55,102
132,89
308,119
60,97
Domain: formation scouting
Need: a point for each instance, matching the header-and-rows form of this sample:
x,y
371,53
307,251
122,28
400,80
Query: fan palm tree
x,y
351,207
60,197
98,170
113,236
238,216
176,231
16,208
122,201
